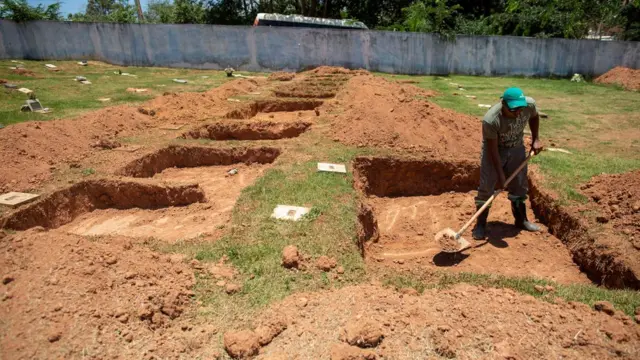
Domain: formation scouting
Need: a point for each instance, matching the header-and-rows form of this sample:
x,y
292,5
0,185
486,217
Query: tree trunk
x,y
140,13
303,7
326,8
314,7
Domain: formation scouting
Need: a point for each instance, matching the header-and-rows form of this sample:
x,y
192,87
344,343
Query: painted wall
x,y
270,48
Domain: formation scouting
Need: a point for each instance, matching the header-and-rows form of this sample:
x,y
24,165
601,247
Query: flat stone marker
x,y
15,199
128,148
484,105
10,86
171,127
339,168
85,82
25,90
50,66
104,99
288,212
180,81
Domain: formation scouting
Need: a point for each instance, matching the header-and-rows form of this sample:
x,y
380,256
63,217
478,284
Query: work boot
x,y
479,231
519,209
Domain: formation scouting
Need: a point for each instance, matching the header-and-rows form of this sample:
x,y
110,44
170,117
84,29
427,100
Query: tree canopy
x,y
537,18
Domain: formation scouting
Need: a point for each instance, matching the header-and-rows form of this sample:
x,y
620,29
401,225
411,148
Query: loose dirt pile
x,y
336,70
625,77
77,297
189,107
281,76
24,72
618,204
465,322
371,111
33,150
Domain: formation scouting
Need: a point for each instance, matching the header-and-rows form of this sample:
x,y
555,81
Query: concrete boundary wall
x,y
281,48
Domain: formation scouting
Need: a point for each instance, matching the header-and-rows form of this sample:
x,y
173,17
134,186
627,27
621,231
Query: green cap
x,y
514,97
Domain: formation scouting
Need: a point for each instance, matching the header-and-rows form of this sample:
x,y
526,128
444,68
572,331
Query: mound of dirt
x,y
74,297
281,76
33,149
371,111
188,106
625,77
336,70
24,72
465,322
618,203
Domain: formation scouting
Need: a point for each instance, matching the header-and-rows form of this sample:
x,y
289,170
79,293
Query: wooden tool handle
x,y
496,193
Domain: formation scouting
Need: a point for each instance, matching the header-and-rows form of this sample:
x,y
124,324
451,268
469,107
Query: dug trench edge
x,y
196,156
249,110
63,206
393,177
235,130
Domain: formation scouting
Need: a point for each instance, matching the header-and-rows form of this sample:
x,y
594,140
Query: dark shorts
x,y
510,158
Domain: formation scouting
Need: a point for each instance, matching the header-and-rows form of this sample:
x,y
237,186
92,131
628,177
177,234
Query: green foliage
x,y
160,11
430,16
20,10
188,12
118,11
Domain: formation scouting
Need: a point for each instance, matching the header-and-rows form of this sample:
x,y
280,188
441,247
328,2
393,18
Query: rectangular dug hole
x,y
239,130
250,110
410,200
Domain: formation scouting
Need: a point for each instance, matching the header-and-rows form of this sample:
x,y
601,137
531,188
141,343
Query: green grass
x,y
66,97
599,124
625,300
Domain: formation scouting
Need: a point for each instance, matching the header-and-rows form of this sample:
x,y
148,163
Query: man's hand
x,y
536,147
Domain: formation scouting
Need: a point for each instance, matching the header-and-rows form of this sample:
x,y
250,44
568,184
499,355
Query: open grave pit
x,y
237,130
221,174
300,108
412,200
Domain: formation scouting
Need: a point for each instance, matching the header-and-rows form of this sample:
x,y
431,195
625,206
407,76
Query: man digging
x,y
503,151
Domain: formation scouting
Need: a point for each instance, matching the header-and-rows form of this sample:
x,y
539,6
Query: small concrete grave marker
x,y
83,63
104,99
80,78
171,127
484,105
180,81
25,90
12,68
10,86
50,66
128,148
470,96
136,90
85,82
204,77
339,168
15,199
288,212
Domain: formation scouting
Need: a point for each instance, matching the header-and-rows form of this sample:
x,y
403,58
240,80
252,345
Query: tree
x,y
20,10
160,11
188,12
119,11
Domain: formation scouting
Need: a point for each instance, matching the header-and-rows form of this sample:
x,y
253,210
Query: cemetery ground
x,y
152,236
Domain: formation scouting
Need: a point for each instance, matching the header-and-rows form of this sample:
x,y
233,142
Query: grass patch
x,y
58,91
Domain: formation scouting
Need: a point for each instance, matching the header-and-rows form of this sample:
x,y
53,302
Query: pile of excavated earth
x,y
623,76
82,276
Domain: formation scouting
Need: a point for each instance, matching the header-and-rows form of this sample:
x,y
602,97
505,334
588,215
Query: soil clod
x,y
291,257
326,263
241,344
363,333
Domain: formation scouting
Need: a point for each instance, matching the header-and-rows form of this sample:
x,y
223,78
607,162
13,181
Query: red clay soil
x,y
76,297
408,226
32,150
24,72
281,76
238,130
335,70
614,209
371,111
625,77
464,322
64,205
188,107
